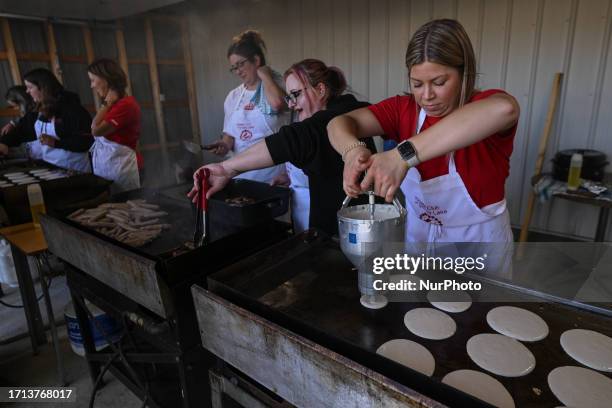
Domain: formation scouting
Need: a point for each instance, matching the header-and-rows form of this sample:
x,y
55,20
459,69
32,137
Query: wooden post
x,y
90,58
122,55
10,51
552,104
154,76
53,56
193,103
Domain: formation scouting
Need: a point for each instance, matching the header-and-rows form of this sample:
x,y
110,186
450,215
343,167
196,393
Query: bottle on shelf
x,y
573,178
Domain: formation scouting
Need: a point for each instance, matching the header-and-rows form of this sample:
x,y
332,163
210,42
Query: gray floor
x,y
19,367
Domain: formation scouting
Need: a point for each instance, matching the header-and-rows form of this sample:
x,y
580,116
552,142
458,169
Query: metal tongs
x,y
201,227
196,148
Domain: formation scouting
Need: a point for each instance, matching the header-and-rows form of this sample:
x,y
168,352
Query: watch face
x,y
406,150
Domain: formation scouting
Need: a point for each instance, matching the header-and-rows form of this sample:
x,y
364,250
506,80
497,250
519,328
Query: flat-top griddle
x,y
62,194
307,286
145,274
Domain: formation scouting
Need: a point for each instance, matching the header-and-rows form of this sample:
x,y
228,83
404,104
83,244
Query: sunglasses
x,y
293,95
234,68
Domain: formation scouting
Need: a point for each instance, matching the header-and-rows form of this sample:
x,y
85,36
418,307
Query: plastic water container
x,y
8,275
110,326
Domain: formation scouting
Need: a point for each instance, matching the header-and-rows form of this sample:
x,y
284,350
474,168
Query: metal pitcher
x,y
363,230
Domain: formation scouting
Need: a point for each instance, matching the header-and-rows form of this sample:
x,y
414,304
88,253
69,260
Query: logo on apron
x,y
430,219
246,134
430,212
249,106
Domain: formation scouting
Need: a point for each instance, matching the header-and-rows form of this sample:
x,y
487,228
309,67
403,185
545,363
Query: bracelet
x,y
351,147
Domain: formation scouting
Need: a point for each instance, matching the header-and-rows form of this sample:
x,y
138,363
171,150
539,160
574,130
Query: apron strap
x,y
422,116
452,169
242,92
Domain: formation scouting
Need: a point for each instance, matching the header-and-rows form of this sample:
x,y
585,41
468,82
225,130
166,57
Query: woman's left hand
x,y
264,72
281,180
47,140
386,171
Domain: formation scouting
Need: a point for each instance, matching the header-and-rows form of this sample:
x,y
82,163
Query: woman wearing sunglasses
x,y
255,109
315,92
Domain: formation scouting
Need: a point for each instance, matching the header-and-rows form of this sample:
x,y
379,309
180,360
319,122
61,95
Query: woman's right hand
x,y
219,177
111,97
220,148
4,149
355,163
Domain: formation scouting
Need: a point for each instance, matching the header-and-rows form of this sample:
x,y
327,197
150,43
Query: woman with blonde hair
x,y
454,141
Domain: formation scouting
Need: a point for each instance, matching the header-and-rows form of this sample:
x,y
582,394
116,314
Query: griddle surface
x,y
315,285
181,217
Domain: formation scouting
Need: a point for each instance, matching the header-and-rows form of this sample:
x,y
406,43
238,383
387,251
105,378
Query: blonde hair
x,y
445,42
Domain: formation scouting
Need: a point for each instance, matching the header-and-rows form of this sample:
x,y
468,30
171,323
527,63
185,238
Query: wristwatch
x,y
407,151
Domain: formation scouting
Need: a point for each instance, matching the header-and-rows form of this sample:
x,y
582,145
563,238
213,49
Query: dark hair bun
x,y
251,36
248,44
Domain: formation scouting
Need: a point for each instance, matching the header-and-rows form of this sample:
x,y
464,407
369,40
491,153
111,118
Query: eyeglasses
x,y
293,95
234,68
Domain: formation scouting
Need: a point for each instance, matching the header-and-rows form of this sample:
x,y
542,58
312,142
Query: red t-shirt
x,y
124,115
483,166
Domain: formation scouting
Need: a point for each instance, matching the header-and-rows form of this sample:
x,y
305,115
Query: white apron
x,y
115,162
247,125
66,159
300,198
440,210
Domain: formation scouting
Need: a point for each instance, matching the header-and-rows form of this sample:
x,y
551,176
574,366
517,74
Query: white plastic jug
x,y
8,276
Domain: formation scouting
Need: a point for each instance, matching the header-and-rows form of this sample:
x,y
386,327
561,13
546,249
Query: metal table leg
x,y
49,306
602,224
28,298
88,339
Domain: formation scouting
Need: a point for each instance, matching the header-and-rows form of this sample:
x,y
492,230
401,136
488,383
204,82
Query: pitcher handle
x,y
396,202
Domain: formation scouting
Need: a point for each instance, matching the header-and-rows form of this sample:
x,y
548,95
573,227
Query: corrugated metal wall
x,y
519,44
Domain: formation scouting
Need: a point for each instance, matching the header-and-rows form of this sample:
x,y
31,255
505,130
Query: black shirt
x,y
72,126
306,145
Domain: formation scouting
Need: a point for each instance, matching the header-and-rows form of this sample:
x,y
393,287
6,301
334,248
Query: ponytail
x,y
313,71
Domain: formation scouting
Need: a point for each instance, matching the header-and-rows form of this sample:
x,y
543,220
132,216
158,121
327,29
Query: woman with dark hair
x,y
116,127
17,98
58,131
315,92
454,141
255,109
